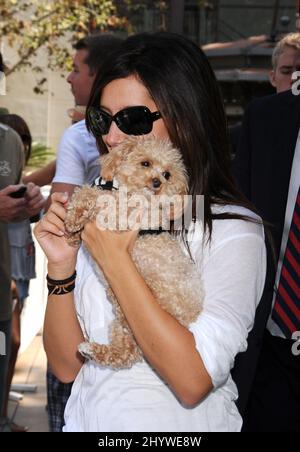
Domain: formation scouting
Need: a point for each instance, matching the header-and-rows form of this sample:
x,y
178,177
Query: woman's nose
x,y
114,136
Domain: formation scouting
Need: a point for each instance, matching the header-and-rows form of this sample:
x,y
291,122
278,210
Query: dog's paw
x,y
86,350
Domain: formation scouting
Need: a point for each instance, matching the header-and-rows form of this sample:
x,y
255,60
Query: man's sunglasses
x,y
131,120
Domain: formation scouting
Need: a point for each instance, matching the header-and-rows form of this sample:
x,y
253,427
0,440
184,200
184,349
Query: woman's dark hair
x,y
20,126
184,88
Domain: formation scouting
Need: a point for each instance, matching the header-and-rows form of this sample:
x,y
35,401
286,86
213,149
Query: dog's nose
x,y
156,183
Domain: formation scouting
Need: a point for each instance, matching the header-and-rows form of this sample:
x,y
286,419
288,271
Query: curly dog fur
x,y
148,167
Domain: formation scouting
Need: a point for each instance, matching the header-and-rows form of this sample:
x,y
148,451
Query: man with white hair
x,y
285,61
267,170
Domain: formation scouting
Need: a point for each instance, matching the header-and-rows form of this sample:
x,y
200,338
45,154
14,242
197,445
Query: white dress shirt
x,y
292,196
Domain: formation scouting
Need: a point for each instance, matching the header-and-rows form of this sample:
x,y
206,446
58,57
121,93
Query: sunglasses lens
x,y
100,121
134,121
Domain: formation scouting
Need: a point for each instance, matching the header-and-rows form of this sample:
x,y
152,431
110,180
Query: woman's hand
x,y
108,247
50,233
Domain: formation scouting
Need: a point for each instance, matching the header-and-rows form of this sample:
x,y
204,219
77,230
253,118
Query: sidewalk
x,y
31,368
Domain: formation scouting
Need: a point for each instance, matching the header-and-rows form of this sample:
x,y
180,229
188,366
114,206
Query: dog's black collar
x,y
105,185
113,185
152,231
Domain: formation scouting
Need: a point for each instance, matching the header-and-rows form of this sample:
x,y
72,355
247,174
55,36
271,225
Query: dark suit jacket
x,y
234,137
262,168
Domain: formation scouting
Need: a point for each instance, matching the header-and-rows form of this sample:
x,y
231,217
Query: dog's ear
x,y
111,161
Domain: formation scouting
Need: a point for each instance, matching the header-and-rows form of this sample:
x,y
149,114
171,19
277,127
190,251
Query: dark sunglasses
x,y
131,120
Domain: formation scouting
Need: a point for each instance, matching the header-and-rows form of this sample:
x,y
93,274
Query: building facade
x,y
217,20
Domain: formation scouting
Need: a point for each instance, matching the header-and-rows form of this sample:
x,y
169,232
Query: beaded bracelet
x,y
61,287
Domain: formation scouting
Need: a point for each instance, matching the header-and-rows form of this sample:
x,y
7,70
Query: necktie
x,y
286,312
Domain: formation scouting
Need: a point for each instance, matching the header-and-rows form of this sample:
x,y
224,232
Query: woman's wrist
x,y
61,271
116,266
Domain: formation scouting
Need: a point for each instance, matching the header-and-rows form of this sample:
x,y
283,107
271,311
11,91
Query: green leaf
x,y
40,156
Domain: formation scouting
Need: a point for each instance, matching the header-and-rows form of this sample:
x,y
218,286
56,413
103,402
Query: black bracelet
x,y
61,282
60,290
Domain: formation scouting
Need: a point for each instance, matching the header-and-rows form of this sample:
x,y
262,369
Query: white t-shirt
x,y
77,157
232,268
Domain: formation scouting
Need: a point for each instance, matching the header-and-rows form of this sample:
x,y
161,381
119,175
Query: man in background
x,y
285,61
77,159
267,169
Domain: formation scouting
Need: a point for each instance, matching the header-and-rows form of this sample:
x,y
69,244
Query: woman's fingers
x,y
46,226
59,197
57,209
53,221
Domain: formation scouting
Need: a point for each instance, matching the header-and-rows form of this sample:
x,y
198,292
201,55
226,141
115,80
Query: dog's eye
x,y
145,163
166,175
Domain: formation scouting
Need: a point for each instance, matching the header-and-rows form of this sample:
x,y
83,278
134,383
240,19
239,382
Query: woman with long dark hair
x,y
159,84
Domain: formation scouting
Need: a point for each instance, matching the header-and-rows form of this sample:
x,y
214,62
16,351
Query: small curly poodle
x,y
153,170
